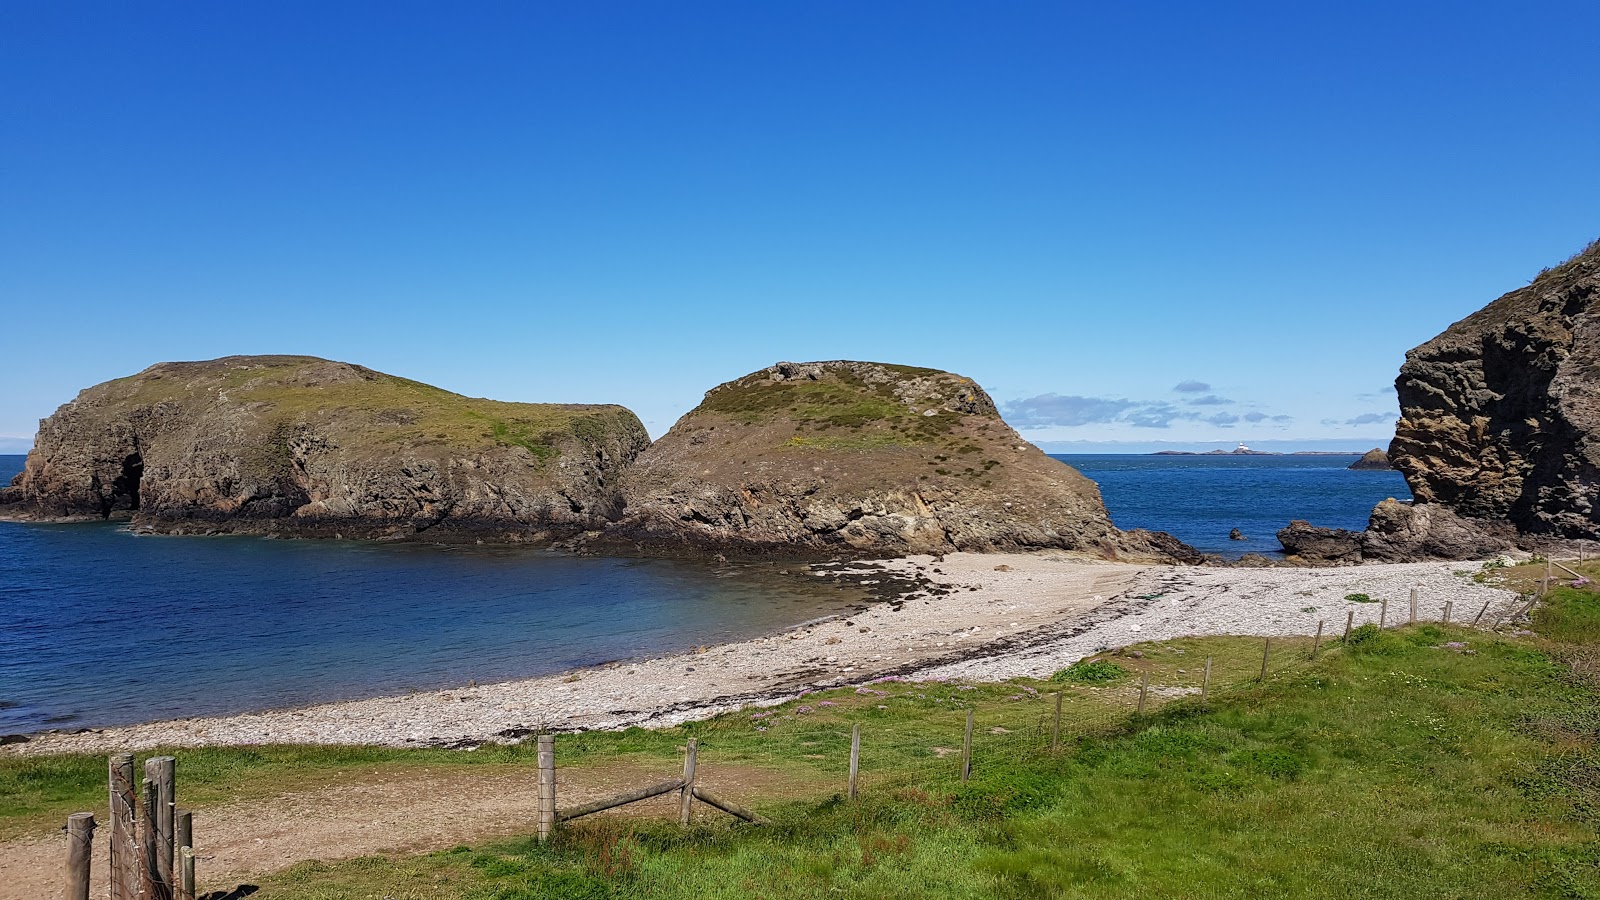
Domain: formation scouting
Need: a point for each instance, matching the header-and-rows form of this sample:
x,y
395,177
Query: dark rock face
x,y
867,458
305,446
1398,532
1374,460
1500,414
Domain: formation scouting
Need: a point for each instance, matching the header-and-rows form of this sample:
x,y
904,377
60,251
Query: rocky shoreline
x,y
969,616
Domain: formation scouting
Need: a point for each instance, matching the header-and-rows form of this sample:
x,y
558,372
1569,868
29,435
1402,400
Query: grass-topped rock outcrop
x,y
858,456
301,445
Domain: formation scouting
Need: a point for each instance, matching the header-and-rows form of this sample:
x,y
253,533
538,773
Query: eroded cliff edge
x,y
306,446
1499,431
861,457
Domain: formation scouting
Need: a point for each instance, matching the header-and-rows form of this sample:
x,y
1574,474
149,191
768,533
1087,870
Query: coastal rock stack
x,y
305,446
1499,430
861,456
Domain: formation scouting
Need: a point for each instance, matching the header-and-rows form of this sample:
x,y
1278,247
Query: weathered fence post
x,y
124,868
1055,729
1205,682
1448,605
1413,619
1317,643
966,749
855,756
185,840
1266,654
1383,613
160,771
80,852
1144,688
547,786
686,801
1479,617
186,877
1349,622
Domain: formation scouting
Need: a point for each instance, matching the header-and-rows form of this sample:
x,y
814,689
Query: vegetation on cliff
x,y
309,445
860,456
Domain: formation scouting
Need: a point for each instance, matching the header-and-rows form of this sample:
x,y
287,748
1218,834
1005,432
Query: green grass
x,y
1084,671
373,412
1396,767
1415,762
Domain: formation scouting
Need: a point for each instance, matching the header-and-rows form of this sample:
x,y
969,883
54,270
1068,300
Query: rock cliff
x,y
861,457
300,445
1500,414
1499,432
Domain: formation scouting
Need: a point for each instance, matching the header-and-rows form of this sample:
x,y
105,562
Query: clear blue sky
x,y
1082,206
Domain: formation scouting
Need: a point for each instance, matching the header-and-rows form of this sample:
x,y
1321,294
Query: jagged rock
x,y
867,458
304,446
1312,544
1374,460
1500,414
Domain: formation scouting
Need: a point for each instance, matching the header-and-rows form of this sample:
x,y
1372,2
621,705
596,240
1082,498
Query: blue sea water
x,y
99,626
1199,499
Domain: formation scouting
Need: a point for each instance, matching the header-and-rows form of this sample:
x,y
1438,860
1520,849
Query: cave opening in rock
x,y
125,487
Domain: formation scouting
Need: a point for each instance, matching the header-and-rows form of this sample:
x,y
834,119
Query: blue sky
x,y
1130,222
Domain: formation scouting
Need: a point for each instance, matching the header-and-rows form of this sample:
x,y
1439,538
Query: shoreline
x,y
981,617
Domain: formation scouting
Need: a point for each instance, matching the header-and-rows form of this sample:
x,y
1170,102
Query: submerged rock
x,y
862,457
304,446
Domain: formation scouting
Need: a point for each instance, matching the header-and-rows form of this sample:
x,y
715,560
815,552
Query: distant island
x,y
1242,450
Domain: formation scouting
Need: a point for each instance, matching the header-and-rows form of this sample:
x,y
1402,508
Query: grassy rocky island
x,y
798,459
298,445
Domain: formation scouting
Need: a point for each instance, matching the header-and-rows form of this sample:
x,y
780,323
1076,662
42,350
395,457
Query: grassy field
x,y
1419,762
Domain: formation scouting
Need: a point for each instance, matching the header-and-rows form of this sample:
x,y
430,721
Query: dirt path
x,y
377,812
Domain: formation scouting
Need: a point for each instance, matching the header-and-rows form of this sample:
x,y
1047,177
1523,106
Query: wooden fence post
x,y
686,799
855,756
184,831
966,749
1413,619
1144,688
1349,622
124,868
1448,605
1205,682
547,786
1479,617
1317,643
80,852
1383,614
1266,654
160,771
186,877
1055,729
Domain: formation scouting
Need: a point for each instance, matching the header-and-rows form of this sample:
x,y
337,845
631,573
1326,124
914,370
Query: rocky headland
x,y
861,457
801,460
1374,460
303,446
1499,432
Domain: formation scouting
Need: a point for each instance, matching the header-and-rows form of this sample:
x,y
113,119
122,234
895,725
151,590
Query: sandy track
x,y
386,811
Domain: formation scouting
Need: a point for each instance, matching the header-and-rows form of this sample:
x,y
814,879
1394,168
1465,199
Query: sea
x,y
100,626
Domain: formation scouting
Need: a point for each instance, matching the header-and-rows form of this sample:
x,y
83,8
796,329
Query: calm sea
x,y
1201,498
102,627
